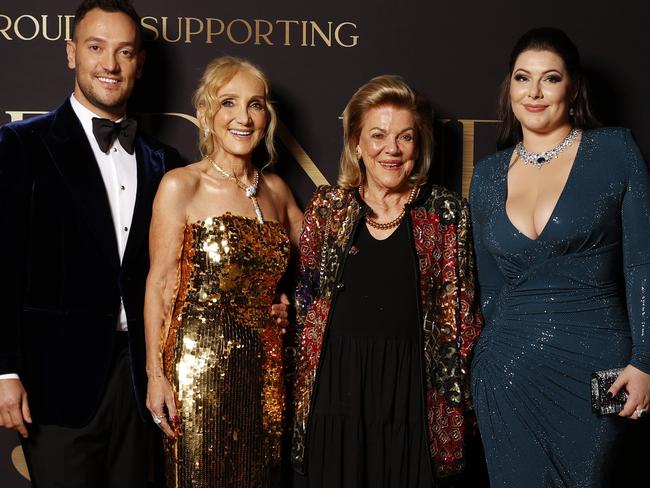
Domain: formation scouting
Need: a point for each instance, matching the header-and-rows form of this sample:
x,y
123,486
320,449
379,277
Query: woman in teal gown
x,y
562,241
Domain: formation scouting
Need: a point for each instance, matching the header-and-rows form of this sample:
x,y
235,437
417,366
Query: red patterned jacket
x,y
451,321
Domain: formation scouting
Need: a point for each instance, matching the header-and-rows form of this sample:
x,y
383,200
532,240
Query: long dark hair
x,y
544,39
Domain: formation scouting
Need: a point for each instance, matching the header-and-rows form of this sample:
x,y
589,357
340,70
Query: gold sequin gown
x,y
223,355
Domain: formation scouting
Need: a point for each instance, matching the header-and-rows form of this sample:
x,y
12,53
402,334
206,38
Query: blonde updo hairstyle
x,y
384,90
216,75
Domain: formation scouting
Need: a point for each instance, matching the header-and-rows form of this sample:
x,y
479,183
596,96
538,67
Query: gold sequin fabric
x,y
223,355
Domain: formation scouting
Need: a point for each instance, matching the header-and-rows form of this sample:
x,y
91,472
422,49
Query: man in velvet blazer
x,y
74,253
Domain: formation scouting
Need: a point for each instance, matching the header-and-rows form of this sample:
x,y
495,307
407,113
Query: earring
x,y
206,131
571,111
358,151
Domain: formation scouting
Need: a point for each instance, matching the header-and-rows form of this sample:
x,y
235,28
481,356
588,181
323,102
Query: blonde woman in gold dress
x,y
220,238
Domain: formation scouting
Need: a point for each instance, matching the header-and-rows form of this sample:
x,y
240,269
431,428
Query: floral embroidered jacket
x,y
441,240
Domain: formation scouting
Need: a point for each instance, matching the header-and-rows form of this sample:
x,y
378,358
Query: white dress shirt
x,y
120,174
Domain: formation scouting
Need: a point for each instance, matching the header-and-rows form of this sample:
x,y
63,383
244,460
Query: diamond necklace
x,y
539,159
250,191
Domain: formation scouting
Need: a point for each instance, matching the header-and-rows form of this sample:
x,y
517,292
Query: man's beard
x,y
89,94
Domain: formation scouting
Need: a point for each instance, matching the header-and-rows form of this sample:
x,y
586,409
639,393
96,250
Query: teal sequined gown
x,y
557,308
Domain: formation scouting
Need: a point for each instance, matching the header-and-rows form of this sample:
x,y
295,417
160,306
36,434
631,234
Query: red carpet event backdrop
x,y
316,55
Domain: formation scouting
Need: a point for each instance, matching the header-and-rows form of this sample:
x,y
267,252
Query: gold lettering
x,y
16,116
153,27
258,32
164,30
188,28
337,35
468,150
68,27
299,154
247,27
189,118
327,39
36,27
290,142
210,33
4,30
58,36
287,23
304,34
18,460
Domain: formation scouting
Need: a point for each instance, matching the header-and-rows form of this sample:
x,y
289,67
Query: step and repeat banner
x,y
316,55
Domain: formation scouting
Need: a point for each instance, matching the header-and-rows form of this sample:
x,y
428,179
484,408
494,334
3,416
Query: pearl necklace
x,y
540,159
250,191
396,221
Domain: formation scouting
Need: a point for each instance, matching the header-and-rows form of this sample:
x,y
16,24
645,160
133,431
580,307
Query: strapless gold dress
x,y
223,355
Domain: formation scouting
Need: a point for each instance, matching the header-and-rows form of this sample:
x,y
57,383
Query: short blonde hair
x,y
216,75
384,90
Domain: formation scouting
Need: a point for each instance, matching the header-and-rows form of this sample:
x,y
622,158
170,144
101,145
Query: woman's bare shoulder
x,y
182,182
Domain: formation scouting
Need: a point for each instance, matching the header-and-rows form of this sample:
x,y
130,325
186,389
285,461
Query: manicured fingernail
x,y
175,418
609,395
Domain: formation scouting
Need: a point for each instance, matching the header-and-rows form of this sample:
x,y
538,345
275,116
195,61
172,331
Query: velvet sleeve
x,y
15,188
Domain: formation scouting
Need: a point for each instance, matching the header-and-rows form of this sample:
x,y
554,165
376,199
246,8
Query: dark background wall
x,y
454,52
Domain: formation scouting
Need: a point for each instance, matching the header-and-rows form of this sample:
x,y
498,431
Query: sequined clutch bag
x,y
601,381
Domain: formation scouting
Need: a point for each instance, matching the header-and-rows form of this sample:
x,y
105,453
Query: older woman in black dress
x,y
385,307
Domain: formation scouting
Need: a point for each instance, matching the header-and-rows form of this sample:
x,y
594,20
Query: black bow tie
x,y
106,131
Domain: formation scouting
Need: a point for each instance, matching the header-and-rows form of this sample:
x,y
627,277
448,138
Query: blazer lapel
x,y
72,155
148,174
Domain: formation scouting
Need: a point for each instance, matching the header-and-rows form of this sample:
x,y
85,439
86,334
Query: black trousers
x,y
112,451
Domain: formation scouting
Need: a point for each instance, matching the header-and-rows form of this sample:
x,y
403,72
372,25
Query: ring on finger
x,y
157,419
641,412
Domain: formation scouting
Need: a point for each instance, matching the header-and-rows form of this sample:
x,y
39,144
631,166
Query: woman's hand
x,y
637,385
280,312
166,236
161,404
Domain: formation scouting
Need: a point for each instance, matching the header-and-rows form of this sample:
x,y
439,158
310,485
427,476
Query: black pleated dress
x,y
368,427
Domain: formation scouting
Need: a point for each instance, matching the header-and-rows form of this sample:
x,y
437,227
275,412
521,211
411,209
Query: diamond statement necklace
x,y
250,190
539,159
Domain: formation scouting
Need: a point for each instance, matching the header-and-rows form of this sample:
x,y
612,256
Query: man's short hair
x,y
123,6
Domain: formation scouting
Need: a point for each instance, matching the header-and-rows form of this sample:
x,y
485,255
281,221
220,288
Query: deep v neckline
x,y
504,201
